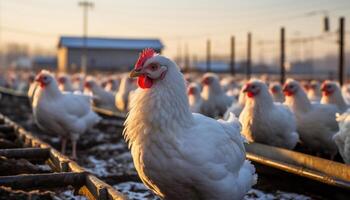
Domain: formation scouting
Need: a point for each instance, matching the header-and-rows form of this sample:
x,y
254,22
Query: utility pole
x,y
342,71
84,58
283,58
249,55
232,63
208,55
187,59
2,46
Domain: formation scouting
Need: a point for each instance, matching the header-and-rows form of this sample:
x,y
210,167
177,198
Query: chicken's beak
x,y
246,88
135,73
38,78
285,89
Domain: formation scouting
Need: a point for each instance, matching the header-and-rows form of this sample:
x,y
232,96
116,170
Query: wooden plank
x,y
94,189
44,181
102,190
27,153
5,128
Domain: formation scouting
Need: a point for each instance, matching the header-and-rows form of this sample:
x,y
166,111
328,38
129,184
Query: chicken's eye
x,y
253,87
153,67
45,78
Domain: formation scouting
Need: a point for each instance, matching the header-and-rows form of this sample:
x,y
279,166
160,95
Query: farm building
x,y
102,53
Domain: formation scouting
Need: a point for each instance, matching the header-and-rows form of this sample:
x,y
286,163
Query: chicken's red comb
x,y
144,56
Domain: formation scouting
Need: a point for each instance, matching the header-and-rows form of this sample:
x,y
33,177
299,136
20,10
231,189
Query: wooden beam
x,y
6,128
44,181
27,153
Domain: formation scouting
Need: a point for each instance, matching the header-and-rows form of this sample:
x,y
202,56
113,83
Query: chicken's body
x,y
316,122
180,155
31,91
102,98
236,107
314,92
66,114
265,121
122,96
331,94
215,100
194,97
342,138
276,92
65,84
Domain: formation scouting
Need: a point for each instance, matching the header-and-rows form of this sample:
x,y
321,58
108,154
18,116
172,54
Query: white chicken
x,y
342,138
112,84
177,154
101,98
194,97
236,107
33,85
64,83
215,101
316,122
78,82
123,95
345,90
331,94
276,92
314,91
65,114
267,122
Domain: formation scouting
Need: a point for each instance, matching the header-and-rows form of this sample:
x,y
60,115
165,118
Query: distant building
x,y
103,53
44,62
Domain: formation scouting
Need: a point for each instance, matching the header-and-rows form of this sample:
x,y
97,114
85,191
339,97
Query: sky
x,y
179,23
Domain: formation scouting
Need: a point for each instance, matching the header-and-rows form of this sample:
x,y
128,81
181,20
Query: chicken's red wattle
x,y
250,94
144,82
327,93
288,93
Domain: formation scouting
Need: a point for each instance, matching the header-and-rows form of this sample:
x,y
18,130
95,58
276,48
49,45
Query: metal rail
x,y
67,172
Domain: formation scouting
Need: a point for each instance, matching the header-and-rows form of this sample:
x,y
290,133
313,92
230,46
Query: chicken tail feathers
x,y
247,176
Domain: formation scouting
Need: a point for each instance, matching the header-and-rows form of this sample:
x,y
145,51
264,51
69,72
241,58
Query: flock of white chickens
x,y
179,150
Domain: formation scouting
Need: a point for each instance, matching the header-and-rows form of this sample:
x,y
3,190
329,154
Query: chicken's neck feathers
x,y
50,91
194,98
299,102
336,98
212,91
261,103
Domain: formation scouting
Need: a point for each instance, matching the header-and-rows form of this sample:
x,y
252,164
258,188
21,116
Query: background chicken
x,y
122,96
65,114
314,91
194,97
101,98
177,154
112,84
316,122
276,92
342,138
236,107
266,122
64,83
215,101
33,85
331,94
